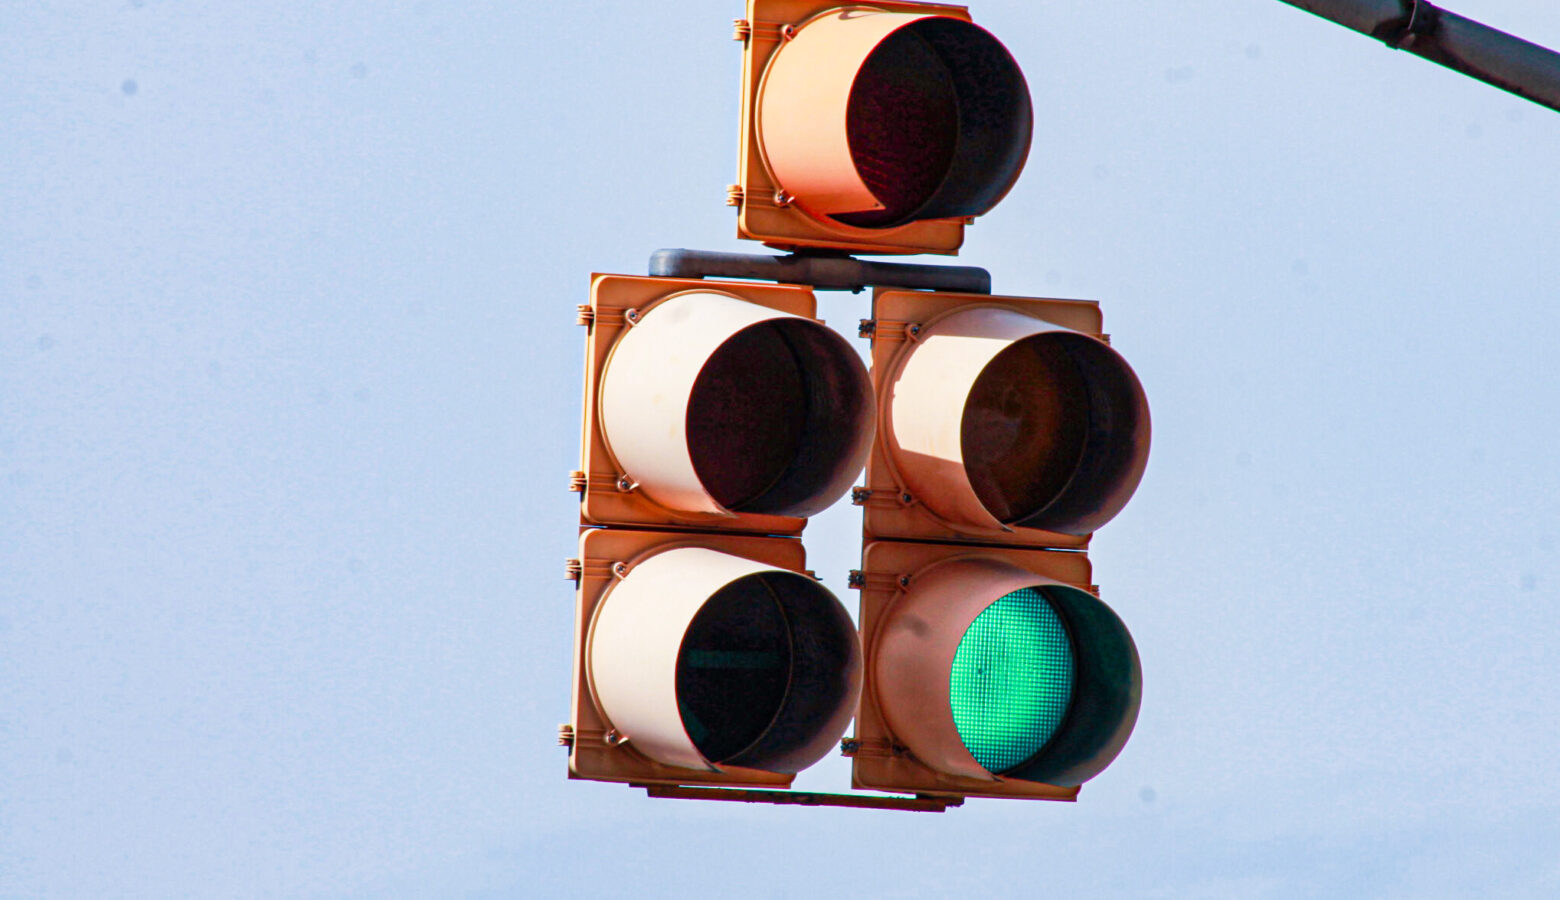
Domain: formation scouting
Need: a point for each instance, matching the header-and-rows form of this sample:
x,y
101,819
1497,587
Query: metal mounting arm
x,y
824,272
1460,44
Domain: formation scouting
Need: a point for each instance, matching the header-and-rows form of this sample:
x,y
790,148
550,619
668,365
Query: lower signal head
x,y
701,659
989,672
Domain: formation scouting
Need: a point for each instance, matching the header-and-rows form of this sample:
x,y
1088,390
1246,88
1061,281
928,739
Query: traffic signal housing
x,y
990,671
705,660
1008,430
997,434
878,127
1005,420
717,417
720,406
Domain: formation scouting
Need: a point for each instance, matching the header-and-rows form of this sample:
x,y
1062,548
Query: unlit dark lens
x,y
1025,426
903,125
766,667
778,418
938,123
733,669
747,415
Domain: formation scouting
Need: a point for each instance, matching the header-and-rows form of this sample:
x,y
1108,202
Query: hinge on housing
x,y
866,329
580,482
608,317
886,330
862,496
593,568
760,30
568,736
584,314
734,195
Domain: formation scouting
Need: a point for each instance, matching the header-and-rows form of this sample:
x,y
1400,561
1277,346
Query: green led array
x,y
1012,680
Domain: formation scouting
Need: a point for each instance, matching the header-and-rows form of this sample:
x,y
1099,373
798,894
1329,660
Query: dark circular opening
x,y
1054,434
764,666
776,417
1025,426
903,124
938,122
734,669
747,416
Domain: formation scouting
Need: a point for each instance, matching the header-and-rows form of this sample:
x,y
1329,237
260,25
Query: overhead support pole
x,y
821,271
1458,43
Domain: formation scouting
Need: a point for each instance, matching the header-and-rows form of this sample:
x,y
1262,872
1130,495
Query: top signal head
x,y
879,129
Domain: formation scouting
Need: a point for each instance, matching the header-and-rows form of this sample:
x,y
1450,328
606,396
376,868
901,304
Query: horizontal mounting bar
x,y
918,803
824,272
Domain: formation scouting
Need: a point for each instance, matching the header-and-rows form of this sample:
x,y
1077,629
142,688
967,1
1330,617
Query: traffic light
x,y
1003,420
717,416
997,434
1008,431
878,127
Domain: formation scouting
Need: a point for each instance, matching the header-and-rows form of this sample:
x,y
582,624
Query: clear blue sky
x,y
289,386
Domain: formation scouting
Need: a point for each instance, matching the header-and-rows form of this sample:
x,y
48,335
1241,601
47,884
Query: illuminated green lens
x,y
1012,680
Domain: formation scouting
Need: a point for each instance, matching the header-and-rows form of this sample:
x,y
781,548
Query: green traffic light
x,y
1012,680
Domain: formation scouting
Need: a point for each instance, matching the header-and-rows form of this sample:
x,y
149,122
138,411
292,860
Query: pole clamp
x,y
1419,18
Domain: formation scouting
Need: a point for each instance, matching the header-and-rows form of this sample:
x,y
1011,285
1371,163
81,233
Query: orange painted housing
x,y
878,128
1001,420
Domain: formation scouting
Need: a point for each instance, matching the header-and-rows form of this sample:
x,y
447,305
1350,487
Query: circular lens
x,y
747,415
1012,680
734,668
779,419
902,124
1054,433
938,123
1025,426
768,673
